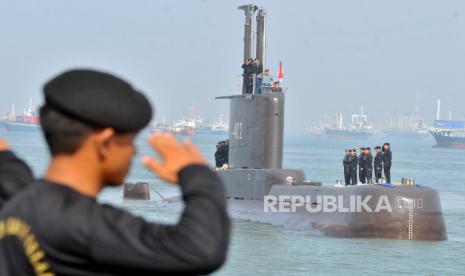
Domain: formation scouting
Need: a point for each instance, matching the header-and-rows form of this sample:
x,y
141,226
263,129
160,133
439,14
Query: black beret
x,y
98,99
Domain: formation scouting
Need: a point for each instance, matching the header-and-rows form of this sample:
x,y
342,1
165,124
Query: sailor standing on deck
x,y
378,163
361,166
346,165
219,157
249,71
353,166
387,161
57,227
368,165
259,74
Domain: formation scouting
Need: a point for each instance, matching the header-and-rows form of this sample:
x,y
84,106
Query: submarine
x,y
259,189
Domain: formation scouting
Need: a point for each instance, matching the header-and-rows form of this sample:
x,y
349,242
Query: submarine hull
x,y
404,212
428,227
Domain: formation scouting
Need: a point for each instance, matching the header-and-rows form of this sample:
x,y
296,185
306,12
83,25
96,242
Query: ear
x,y
102,142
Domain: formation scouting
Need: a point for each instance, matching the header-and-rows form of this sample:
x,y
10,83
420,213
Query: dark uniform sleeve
x,y
124,244
387,158
15,175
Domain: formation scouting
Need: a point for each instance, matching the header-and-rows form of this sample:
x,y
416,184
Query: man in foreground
x,y
56,227
15,175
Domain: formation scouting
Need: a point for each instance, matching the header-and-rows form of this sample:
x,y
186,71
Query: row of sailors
x,y
365,162
222,155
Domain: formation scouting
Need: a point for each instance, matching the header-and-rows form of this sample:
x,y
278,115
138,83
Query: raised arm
x,y
122,243
15,174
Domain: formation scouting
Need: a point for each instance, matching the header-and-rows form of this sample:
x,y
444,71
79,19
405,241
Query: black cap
x,y
377,147
362,148
367,149
98,99
386,144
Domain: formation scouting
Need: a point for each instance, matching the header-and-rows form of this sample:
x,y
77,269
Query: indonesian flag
x,y
280,73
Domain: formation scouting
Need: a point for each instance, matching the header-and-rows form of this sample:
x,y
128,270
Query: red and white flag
x,y
280,72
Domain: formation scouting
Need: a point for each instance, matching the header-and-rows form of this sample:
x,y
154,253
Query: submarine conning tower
x,y
257,120
256,123
256,131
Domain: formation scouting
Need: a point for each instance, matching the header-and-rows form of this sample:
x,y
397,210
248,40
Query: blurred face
x,y
386,147
378,150
353,153
116,162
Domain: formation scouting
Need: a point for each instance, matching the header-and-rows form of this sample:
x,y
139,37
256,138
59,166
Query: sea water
x,y
274,250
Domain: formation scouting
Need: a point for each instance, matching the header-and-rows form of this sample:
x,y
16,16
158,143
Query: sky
x,y
388,56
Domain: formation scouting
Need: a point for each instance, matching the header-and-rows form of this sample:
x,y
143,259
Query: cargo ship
x,y
405,127
27,122
220,127
179,127
315,131
449,134
360,128
191,127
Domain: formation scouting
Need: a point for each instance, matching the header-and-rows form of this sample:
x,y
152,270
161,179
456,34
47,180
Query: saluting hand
x,y
175,156
3,145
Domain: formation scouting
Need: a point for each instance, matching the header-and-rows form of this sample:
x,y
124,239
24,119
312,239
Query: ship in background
x,y
448,133
26,122
317,130
220,127
405,127
359,129
191,126
178,127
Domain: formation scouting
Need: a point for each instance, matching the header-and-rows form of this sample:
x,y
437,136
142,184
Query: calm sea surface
x,y
265,249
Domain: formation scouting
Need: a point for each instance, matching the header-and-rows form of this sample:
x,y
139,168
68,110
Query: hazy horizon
x,y
387,56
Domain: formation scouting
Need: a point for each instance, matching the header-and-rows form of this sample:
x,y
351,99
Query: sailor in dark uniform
x,y
368,165
378,163
226,152
353,166
15,175
361,166
387,161
248,73
57,227
346,165
219,155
